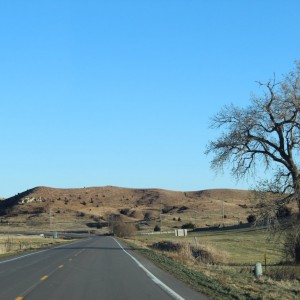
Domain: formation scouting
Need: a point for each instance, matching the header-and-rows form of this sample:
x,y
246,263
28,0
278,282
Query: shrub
x,y
124,211
167,209
251,218
38,210
147,216
188,226
207,254
96,218
284,273
124,229
182,209
291,246
166,246
283,212
3,212
203,256
156,228
188,254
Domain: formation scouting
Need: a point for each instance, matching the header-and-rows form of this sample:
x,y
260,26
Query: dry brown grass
x,y
202,254
12,243
75,207
278,283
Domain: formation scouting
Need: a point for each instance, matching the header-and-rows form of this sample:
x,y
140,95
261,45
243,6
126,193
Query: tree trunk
x,y
296,235
297,251
297,192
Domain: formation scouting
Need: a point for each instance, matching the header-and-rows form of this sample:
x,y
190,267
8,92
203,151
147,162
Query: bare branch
x,y
266,132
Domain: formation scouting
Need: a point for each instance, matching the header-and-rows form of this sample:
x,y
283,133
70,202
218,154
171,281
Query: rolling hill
x,y
77,207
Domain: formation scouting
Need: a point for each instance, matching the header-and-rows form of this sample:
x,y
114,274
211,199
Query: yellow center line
x,y
19,298
44,278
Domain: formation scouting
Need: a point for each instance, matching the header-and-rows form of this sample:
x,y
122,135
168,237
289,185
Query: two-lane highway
x,y
95,268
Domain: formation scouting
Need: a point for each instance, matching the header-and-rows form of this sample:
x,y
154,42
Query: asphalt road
x,y
95,268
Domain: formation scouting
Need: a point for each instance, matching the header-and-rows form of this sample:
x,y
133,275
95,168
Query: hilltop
x,y
75,207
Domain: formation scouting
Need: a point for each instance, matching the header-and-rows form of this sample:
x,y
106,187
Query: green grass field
x,y
231,278
243,246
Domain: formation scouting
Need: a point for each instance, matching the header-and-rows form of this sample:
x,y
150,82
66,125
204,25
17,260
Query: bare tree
x,y
265,133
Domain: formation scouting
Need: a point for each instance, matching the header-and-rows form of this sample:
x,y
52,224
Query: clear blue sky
x,y
120,92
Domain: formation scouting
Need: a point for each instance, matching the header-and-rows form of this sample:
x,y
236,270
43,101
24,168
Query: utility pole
x,y
223,212
108,224
160,215
50,218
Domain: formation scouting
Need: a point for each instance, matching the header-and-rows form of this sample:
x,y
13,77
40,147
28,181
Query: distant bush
x,y
188,226
283,212
167,209
3,212
95,218
251,218
38,210
147,216
182,209
124,211
124,229
156,228
243,205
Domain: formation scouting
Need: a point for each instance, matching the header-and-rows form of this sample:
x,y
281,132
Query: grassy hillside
x,y
66,208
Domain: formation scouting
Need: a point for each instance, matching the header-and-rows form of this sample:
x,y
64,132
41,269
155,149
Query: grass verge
x,y
228,274
16,244
195,279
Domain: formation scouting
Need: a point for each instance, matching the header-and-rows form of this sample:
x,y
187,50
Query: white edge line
x,y
153,277
19,257
37,252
